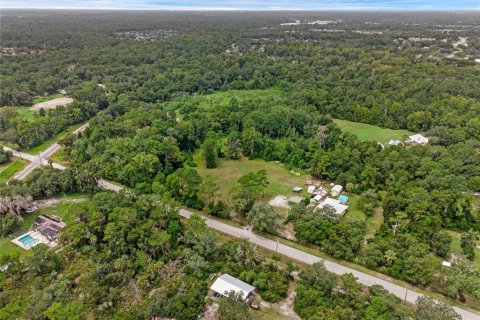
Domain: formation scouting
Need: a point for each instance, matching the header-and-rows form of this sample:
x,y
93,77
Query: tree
x,y
232,307
234,146
5,156
263,217
368,202
209,153
184,183
209,188
467,243
431,309
441,243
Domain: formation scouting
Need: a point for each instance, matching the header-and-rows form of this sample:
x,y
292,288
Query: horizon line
x,y
196,9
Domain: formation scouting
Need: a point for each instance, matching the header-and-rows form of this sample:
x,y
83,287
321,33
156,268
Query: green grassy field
x,y
52,96
24,111
368,132
228,171
222,98
66,211
456,248
59,157
52,140
9,170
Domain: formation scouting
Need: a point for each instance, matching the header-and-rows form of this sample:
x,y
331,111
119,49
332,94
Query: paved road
x,y
366,279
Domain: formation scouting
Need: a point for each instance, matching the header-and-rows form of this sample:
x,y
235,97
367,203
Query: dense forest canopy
x,y
161,90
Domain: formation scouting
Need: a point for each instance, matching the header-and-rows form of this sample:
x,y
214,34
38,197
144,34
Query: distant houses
x,y
225,284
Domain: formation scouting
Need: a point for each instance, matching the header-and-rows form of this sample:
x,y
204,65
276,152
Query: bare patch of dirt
x,y
279,202
51,104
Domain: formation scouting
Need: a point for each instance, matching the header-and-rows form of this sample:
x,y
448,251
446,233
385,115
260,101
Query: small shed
x,y
226,284
311,189
336,190
295,200
446,264
297,189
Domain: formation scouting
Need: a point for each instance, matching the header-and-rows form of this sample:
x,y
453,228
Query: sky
x,y
247,4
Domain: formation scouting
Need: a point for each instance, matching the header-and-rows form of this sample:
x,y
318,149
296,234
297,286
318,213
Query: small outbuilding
x,y
339,208
336,190
295,200
226,284
394,142
417,139
311,189
297,189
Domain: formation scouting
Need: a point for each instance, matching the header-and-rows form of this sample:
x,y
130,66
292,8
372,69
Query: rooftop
x,y
226,283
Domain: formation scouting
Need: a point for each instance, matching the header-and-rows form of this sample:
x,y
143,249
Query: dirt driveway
x,y
51,104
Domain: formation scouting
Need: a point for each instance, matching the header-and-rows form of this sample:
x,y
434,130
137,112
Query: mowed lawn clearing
x,y
228,171
368,132
8,170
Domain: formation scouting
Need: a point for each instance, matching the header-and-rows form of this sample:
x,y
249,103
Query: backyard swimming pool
x,y
28,241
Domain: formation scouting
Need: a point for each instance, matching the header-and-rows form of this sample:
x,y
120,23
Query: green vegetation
x,y
48,97
369,132
227,172
10,169
62,135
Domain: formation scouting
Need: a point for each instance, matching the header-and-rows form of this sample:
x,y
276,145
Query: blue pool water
x,y
28,241
343,199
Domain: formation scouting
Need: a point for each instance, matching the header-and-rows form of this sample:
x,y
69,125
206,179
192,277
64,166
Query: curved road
x,y
366,279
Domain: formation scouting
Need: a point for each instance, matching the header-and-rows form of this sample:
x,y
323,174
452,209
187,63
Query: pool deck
x,y
36,235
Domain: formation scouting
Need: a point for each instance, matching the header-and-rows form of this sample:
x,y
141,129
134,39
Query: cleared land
x,y
368,132
10,169
51,104
228,171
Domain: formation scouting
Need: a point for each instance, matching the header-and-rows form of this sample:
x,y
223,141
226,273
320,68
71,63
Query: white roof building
x,y
336,190
394,142
339,208
311,189
226,283
418,138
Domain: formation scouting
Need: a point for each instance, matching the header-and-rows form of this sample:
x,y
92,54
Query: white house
x,y
418,139
226,283
339,208
336,190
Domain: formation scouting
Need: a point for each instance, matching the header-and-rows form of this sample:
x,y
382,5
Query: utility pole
x,y
406,292
276,248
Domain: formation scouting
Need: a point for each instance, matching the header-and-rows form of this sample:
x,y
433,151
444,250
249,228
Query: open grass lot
x,y
64,210
52,140
368,132
8,170
52,96
456,248
59,157
25,111
228,171
222,98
